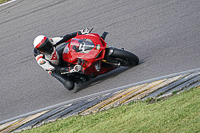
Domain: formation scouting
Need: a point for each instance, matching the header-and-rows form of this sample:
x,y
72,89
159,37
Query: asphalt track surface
x,y
165,35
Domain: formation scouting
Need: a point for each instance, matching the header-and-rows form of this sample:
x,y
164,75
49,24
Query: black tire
x,y
124,57
69,84
66,81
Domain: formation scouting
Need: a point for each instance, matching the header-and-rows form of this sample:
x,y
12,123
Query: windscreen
x,y
82,46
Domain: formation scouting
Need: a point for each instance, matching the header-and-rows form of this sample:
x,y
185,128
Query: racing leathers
x,y
53,62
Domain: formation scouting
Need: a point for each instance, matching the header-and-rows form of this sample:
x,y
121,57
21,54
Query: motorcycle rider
x,y
50,59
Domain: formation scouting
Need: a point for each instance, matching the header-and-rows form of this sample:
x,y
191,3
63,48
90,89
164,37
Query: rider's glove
x,y
85,31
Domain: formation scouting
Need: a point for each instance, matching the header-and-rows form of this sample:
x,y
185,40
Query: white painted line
x,y
7,2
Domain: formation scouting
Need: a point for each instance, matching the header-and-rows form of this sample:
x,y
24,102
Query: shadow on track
x,y
99,79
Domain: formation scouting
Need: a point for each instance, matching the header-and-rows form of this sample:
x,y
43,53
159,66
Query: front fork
x,y
110,60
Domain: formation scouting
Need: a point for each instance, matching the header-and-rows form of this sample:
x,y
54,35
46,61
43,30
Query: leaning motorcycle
x,y
96,58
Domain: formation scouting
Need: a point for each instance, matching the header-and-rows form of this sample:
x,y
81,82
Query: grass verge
x,y
3,1
180,113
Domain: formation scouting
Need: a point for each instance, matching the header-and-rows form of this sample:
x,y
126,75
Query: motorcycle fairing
x,y
90,48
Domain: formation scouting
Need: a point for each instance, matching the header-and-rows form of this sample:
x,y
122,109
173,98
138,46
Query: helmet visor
x,y
46,47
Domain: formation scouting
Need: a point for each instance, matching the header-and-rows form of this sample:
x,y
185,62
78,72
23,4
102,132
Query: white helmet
x,y
43,44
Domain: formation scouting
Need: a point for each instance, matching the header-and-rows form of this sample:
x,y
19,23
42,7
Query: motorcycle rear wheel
x,y
125,58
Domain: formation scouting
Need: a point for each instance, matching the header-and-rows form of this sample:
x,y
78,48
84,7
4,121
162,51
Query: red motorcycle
x,y
92,53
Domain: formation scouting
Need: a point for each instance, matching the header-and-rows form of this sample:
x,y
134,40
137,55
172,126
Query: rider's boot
x,y
67,82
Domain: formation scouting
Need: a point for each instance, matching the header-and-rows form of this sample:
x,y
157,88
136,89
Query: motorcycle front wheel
x,y
123,57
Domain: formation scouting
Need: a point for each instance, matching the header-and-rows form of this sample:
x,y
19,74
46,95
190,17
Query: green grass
x,y
177,114
3,1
